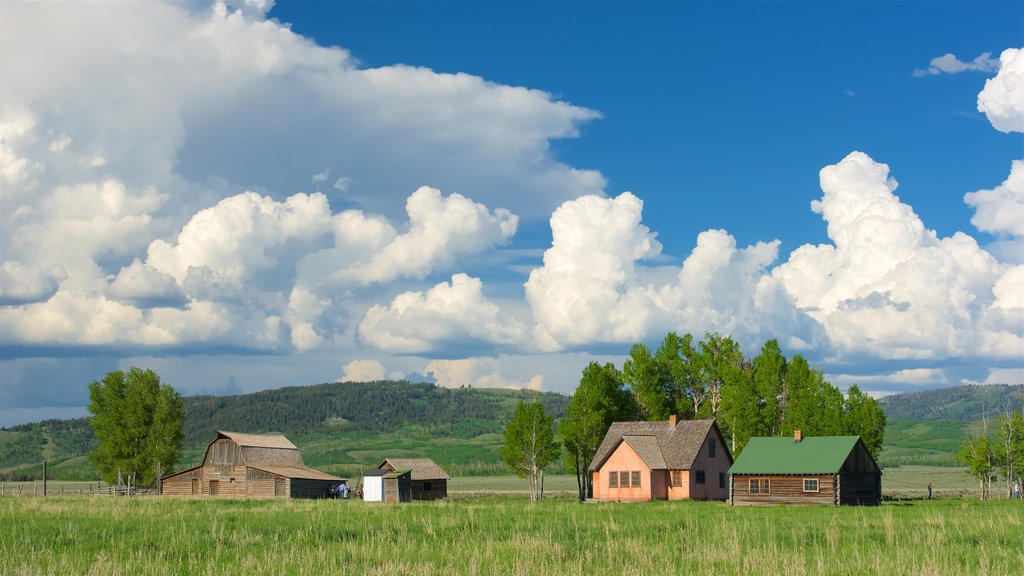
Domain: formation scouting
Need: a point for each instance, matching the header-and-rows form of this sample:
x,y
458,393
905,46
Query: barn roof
x,y
783,455
298,473
259,440
660,444
422,468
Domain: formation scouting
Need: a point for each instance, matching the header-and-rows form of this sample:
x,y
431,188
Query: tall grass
x,y
162,535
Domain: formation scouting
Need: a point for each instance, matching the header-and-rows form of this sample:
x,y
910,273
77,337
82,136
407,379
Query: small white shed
x,y
386,485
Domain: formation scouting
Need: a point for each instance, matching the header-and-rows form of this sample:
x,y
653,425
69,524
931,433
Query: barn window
x,y
711,447
721,479
623,479
700,477
636,479
613,479
427,487
810,484
677,478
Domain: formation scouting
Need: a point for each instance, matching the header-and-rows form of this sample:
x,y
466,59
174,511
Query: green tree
x,y
675,358
719,364
978,456
599,400
737,418
770,387
642,374
865,418
138,424
1009,447
530,445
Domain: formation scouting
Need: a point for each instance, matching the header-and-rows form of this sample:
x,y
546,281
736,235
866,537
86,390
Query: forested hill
x,y
958,404
309,415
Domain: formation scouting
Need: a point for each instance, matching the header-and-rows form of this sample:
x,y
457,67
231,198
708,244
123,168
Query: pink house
x,y
673,460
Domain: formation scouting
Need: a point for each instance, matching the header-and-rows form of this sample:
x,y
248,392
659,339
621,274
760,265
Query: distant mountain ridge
x,y
958,404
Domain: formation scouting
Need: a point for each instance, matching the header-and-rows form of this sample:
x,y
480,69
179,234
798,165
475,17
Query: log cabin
x,y
830,470
251,466
673,460
429,481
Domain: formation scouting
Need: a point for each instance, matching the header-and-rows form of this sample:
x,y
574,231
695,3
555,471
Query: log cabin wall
x,y
429,489
181,484
785,490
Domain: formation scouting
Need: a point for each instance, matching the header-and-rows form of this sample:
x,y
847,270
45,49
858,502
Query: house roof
x,y
386,472
659,444
422,468
259,440
299,473
781,455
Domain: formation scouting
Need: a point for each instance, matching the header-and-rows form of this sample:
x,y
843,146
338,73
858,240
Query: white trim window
x,y
810,485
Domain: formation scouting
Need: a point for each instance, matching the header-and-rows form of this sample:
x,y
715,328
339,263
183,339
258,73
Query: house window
x,y
810,484
760,486
700,476
613,479
636,479
427,487
623,479
677,478
711,447
721,479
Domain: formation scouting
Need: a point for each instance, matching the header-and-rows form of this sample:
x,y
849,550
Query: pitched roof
x,y
676,445
781,455
296,472
422,468
386,472
259,440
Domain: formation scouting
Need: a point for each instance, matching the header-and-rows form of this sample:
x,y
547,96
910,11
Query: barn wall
x,y
223,452
307,488
860,489
623,459
785,490
181,484
712,466
438,489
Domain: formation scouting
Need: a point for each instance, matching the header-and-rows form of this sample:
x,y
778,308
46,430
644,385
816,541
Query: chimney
x,y
797,436
673,420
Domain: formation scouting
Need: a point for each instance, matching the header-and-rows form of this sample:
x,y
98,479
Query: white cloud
x,y
950,64
1001,210
1002,99
23,283
909,376
447,314
1002,376
362,371
144,285
478,373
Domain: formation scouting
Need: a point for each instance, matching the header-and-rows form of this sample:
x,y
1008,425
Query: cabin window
x,y
810,484
721,479
613,479
700,477
427,487
636,479
711,447
623,479
760,486
677,478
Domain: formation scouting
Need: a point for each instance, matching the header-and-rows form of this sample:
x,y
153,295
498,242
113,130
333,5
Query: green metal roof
x,y
781,455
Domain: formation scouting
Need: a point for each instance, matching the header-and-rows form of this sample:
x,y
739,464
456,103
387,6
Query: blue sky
x,y
232,194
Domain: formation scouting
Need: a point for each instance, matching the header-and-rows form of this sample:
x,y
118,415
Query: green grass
x,y
921,443
153,535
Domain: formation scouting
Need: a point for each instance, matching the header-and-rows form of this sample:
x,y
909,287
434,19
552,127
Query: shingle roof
x,y
781,455
422,468
386,472
295,472
677,445
259,440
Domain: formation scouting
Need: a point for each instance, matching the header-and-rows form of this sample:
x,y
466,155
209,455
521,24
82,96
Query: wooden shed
x,y
384,485
251,466
429,481
831,470
673,460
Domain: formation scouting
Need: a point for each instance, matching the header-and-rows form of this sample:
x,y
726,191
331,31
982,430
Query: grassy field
x,y
503,535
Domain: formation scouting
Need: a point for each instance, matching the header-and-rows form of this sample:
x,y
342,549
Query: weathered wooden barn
x,y
251,466
831,470
385,485
429,481
674,460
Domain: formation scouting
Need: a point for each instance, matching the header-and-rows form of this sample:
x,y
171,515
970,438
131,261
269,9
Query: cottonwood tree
x,y
598,401
530,445
865,418
138,423
1009,447
640,371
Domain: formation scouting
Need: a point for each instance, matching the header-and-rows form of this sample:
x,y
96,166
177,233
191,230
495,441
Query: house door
x,y
195,486
214,487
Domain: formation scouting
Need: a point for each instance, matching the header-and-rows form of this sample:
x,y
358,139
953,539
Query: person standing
x,y
1016,490
929,490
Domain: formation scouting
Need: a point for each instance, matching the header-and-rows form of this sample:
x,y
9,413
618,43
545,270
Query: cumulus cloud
x,y
23,283
1001,210
447,314
950,64
478,373
362,371
146,286
1002,99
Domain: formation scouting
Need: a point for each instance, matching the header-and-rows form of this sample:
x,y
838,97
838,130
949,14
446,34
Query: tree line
x,y
989,457
767,395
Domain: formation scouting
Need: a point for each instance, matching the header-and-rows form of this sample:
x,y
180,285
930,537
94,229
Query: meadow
x,y
503,535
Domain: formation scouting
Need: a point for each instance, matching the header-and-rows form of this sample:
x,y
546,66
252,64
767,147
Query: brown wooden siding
x,y
223,452
860,489
438,489
784,490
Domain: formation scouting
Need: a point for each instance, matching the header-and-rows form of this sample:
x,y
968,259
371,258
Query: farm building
x,y
429,481
384,485
829,470
251,466
673,460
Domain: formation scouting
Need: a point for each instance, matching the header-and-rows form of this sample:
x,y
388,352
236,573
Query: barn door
x,y
195,486
279,487
214,487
